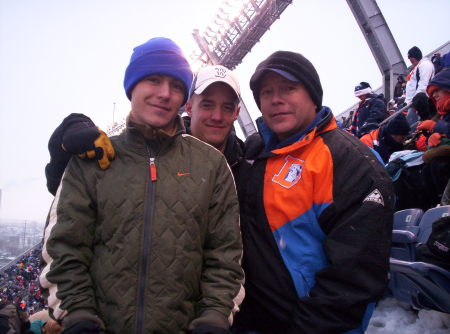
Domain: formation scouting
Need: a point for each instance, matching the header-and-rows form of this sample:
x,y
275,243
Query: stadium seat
x,y
403,245
428,218
409,235
421,285
404,233
408,220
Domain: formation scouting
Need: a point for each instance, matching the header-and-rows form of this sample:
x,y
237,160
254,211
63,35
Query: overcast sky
x,y
64,56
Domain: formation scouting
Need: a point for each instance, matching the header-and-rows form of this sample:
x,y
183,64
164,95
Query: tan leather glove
x,y
103,151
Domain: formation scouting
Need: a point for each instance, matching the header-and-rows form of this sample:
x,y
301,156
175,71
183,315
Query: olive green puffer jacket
x,y
146,256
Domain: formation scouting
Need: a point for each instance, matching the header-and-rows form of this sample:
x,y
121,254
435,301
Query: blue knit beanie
x,y
161,56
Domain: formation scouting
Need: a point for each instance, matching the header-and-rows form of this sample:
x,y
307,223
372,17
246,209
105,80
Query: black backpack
x,y
437,63
437,248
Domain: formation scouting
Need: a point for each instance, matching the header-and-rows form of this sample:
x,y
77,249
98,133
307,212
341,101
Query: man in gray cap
x,y
316,218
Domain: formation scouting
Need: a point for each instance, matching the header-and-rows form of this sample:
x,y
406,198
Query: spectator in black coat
x,y
371,111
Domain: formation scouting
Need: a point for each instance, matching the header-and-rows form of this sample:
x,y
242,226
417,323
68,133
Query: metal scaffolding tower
x,y
237,27
234,35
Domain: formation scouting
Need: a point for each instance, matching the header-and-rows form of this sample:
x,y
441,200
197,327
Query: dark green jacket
x,y
146,256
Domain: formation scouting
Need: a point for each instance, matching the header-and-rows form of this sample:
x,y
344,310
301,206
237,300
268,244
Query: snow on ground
x,y
393,317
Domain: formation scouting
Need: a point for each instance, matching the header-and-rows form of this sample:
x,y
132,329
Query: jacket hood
x,y
442,79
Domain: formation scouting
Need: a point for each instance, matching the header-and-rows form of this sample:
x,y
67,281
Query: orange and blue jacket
x,y
316,220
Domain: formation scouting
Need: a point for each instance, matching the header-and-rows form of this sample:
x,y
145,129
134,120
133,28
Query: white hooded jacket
x,y
419,78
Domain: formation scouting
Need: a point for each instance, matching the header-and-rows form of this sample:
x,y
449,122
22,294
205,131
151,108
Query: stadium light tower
x,y
236,28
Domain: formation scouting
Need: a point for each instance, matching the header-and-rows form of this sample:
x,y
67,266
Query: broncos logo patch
x,y
290,173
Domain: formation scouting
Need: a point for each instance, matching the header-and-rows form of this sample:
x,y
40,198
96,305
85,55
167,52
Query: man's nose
x,y
164,89
216,114
276,96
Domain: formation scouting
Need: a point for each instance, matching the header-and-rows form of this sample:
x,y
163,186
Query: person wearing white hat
x,y
212,109
214,105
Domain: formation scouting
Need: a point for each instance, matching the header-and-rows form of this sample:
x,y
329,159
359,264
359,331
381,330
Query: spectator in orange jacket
x,y
388,138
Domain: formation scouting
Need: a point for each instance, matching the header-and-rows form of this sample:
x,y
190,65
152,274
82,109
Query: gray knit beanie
x,y
292,66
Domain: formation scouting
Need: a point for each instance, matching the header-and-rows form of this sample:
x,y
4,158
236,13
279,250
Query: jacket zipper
x,y
146,244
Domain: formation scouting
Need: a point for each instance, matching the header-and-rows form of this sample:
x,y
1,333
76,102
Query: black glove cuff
x,y
74,121
84,327
207,329
78,139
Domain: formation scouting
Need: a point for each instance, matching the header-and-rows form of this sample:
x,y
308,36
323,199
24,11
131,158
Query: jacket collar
x,y
234,150
324,121
143,138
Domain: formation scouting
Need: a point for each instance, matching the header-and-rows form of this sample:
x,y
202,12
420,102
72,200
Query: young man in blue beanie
x,y
316,218
152,243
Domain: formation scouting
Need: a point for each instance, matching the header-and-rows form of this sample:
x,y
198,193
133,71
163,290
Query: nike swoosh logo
x,y
182,174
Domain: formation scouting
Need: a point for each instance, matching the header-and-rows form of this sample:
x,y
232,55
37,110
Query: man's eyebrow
x,y
177,80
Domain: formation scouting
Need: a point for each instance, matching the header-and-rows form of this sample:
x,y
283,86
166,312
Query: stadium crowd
x,y
19,283
411,132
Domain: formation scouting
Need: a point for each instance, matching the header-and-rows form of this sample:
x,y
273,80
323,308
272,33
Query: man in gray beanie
x,y
152,243
316,218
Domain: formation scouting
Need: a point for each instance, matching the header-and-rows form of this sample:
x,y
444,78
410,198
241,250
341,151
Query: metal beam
x,y
381,42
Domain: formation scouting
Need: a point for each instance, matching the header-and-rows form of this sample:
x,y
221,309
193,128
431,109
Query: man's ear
x,y
189,108
238,110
